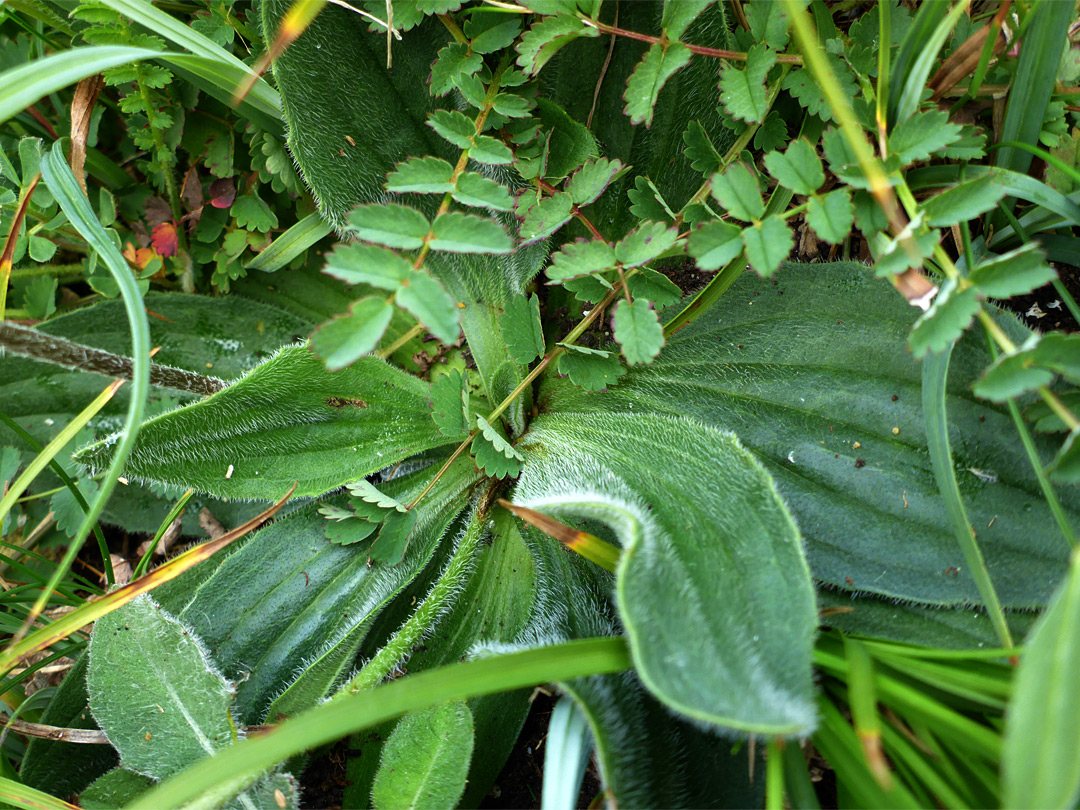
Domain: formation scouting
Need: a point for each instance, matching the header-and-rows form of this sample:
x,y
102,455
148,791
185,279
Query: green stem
x,y
774,774
935,374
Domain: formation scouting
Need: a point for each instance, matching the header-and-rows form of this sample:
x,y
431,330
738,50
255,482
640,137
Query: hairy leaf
x,y
652,72
182,713
706,569
522,329
638,331
287,421
743,89
426,760
798,169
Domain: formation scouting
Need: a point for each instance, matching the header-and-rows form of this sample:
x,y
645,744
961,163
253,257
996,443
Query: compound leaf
x,y
455,60
643,87
1015,273
367,264
678,14
454,126
963,202
743,89
546,37
592,371
479,192
522,329
581,258
369,493
449,398
645,243
700,150
347,532
638,331
655,287
714,244
949,315
922,135
425,299
394,535
546,217
592,179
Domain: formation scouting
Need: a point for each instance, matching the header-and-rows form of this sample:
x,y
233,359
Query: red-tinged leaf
x,y
222,193
191,192
164,239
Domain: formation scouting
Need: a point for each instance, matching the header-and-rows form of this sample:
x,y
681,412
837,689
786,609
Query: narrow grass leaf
x,y
294,242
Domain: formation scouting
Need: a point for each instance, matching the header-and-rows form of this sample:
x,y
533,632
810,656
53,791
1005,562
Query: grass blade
x,y
32,81
18,795
569,743
291,244
915,81
210,782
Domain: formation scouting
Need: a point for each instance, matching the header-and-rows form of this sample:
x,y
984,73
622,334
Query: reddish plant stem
x,y
715,53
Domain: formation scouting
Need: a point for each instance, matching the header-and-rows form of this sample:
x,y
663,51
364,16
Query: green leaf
x,y
1040,761
464,233
252,213
738,191
646,202
592,370
949,315
1066,465
592,179
394,535
714,244
700,150
425,299
589,288
496,37
1013,374
802,86
678,15
478,191
689,548
772,134
68,512
1016,273
421,176
546,37
368,264
490,455
638,331
655,287
743,90
971,145
522,329
581,258
767,244
454,126
798,169
963,202
922,135
511,105
769,23
895,258
288,420
115,789
369,493
488,150
426,760
286,247
496,439
643,87
347,532
390,224
546,217
40,297
182,714
645,243
1060,353
832,215
570,144
345,339
449,399
455,61
41,249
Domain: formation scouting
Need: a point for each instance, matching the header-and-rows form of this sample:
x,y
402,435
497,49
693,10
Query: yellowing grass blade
x,y
94,610
589,546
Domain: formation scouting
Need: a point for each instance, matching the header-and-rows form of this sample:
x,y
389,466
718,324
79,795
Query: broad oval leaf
x,y
812,384
713,588
287,421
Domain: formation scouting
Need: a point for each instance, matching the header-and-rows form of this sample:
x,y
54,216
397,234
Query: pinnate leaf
x,y
802,85
454,60
767,244
496,439
643,87
589,182
1014,374
454,126
581,258
457,232
493,453
392,224
490,151
798,169
832,215
637,329
772,134
738,191
494,38
480,192
922,135
545,37
429,175
592,369
343,340
714,244
769,23
949,315
743,89
963,202
182,714
1015,273
449,398
369,493
368,264
546,217
645,243
521,328
425,299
